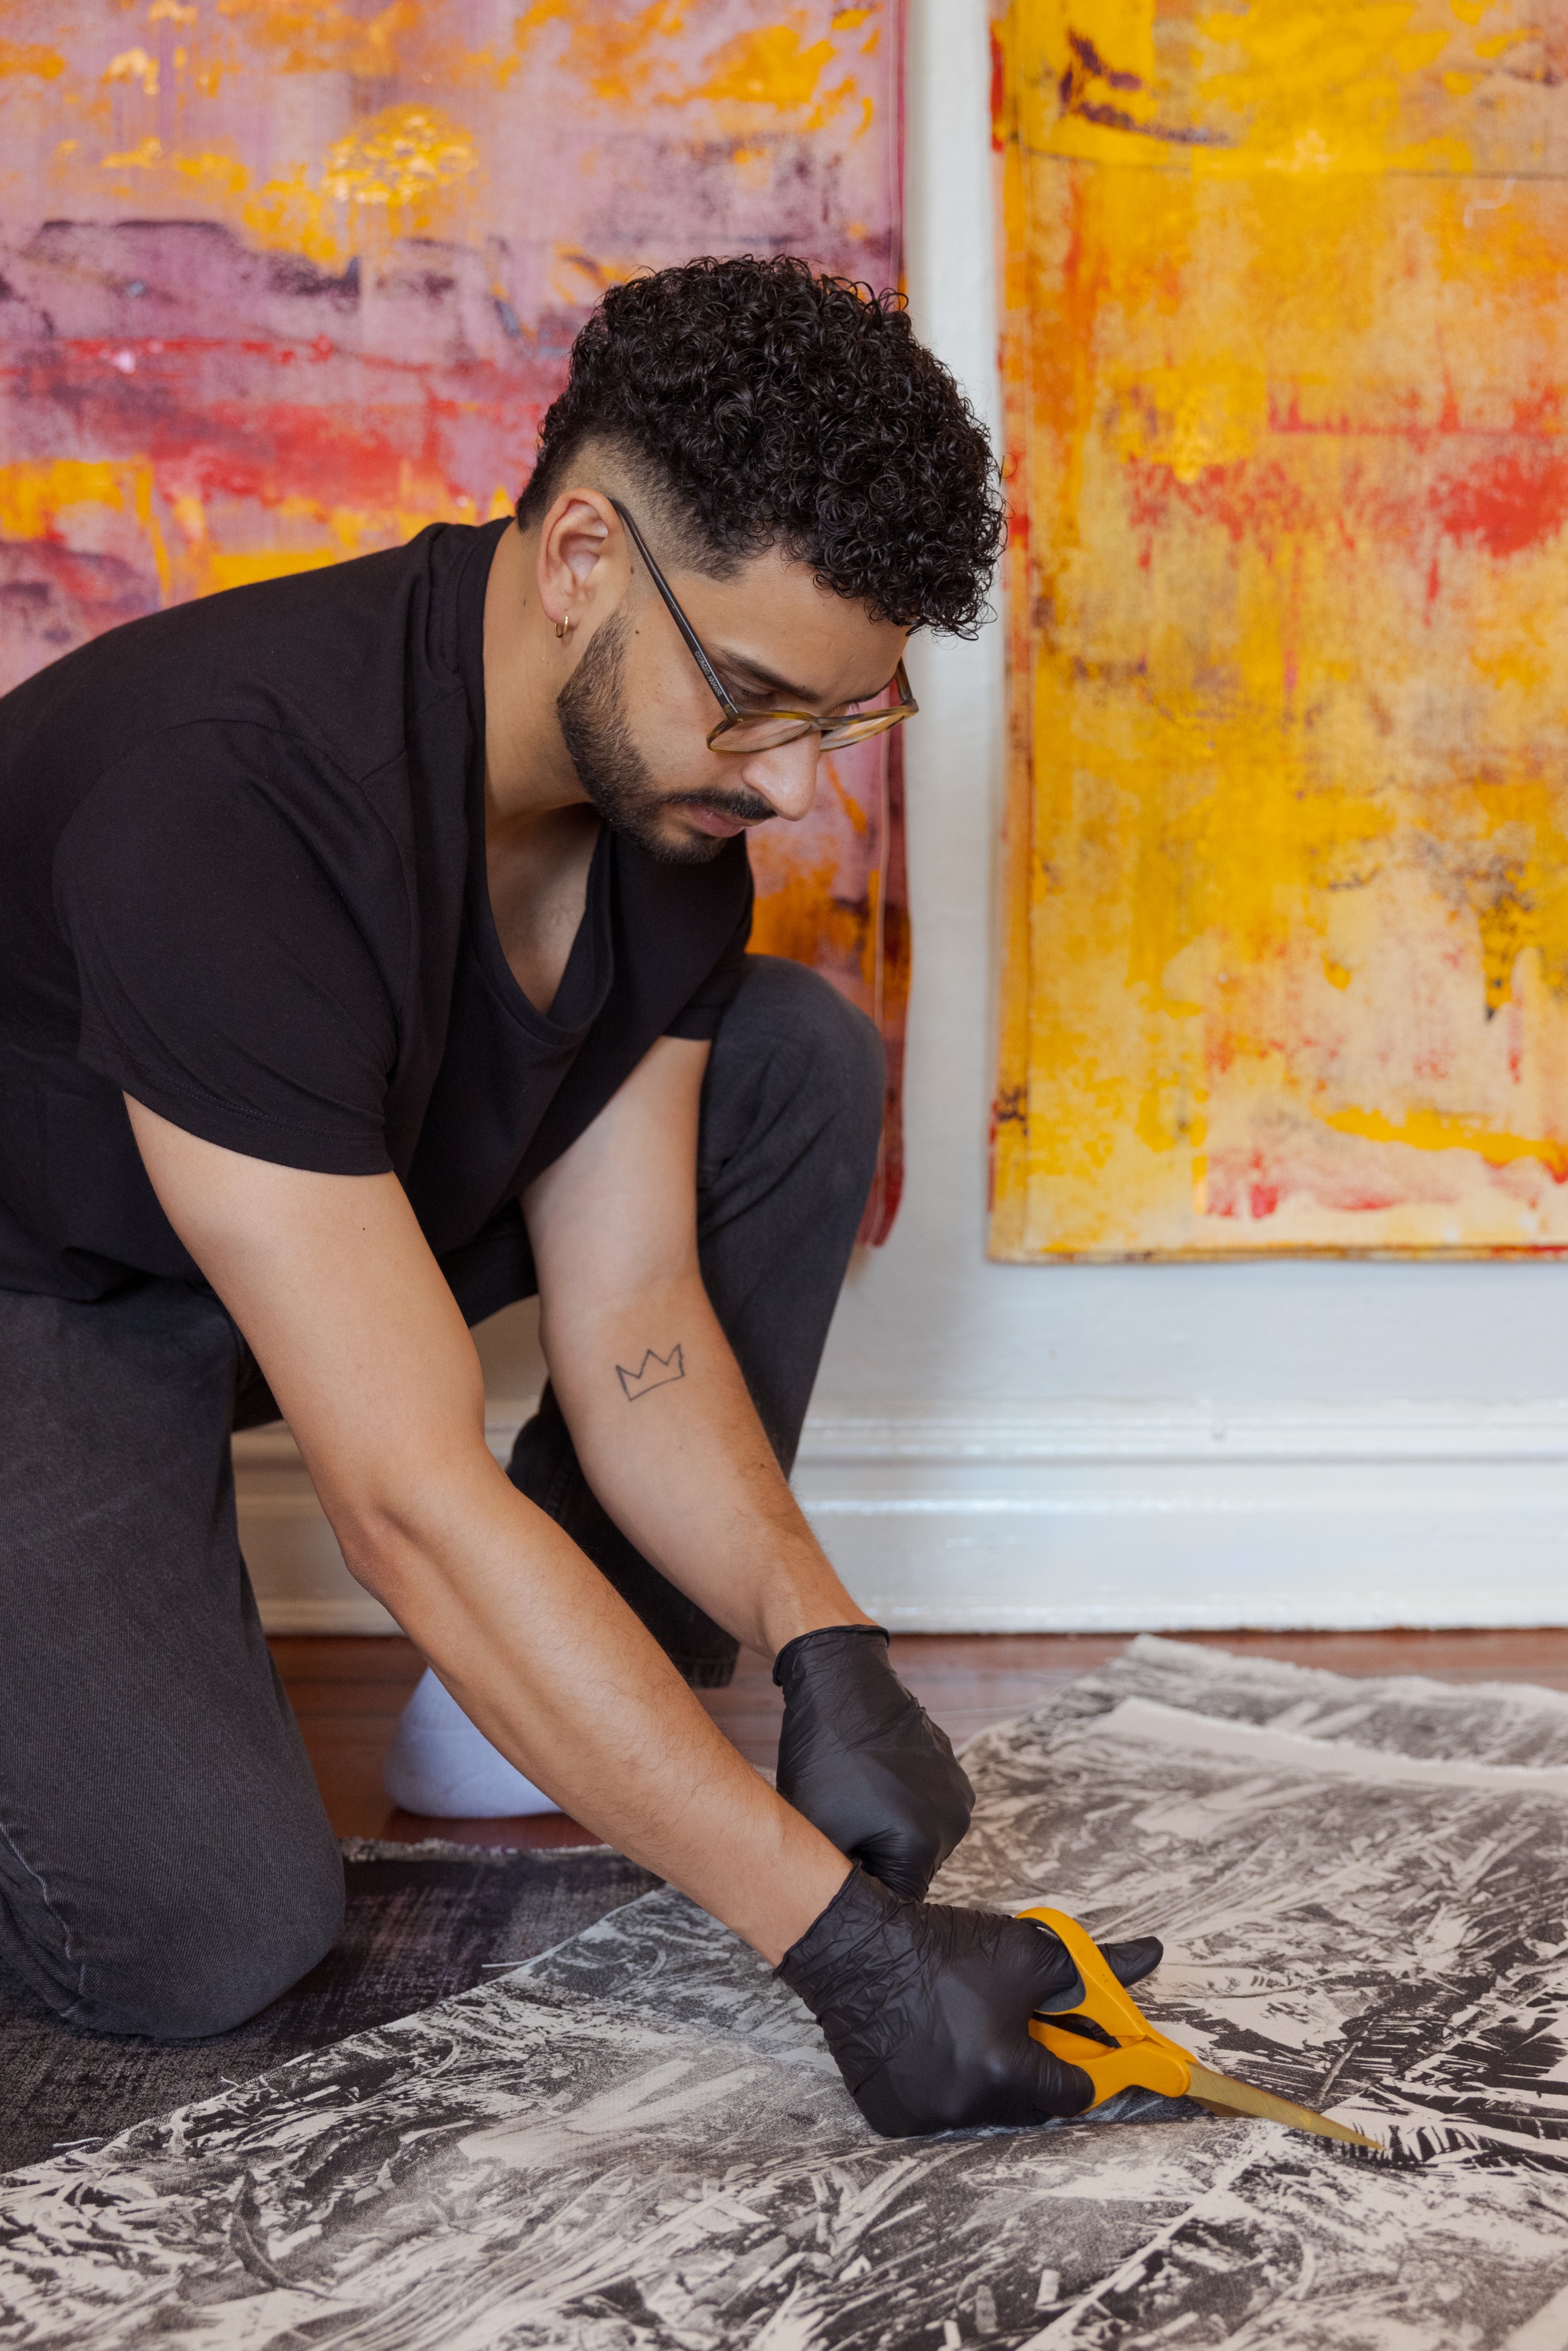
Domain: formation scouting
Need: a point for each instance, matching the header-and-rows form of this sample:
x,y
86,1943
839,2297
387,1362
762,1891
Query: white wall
x,y
999,1445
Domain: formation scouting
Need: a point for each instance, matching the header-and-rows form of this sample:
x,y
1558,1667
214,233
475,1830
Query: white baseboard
x,y
1109,1517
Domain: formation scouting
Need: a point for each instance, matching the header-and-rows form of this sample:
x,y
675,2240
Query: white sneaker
x,y
440,1765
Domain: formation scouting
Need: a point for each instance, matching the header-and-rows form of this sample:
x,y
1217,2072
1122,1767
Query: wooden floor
x,y
347,1695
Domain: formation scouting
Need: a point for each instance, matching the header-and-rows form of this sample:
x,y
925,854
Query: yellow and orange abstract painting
x,y
1286,365
283,281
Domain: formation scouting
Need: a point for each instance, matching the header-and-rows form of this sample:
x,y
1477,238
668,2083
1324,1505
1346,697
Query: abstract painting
x,y
283,281
1286,366
636,2142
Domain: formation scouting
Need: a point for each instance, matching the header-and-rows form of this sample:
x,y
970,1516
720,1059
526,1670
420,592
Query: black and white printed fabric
x,y
637,2140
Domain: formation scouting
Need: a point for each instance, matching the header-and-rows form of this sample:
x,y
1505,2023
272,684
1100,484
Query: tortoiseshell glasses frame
x,y
739,730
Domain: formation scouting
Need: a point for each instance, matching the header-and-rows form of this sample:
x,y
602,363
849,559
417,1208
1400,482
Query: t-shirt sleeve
x,y
224,982
700,1015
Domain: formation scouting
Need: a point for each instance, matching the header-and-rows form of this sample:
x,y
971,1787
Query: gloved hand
x,y
925,2009
863,1761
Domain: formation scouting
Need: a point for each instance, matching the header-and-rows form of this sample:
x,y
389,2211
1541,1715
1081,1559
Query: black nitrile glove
x,y
925,2009
863,1761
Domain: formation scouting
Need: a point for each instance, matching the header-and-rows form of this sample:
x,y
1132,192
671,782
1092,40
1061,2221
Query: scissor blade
x,y
1221,2095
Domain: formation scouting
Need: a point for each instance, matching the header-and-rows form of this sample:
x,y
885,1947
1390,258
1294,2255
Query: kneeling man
x,y
372,953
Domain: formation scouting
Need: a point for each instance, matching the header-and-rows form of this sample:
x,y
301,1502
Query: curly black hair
x,y
766,406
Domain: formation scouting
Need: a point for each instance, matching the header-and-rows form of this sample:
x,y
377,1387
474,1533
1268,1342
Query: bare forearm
x,y
364,1348
558,1675
672,1445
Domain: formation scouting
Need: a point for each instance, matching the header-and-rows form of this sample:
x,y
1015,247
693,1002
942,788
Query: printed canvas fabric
x,y
1286,352
638,2140
281,284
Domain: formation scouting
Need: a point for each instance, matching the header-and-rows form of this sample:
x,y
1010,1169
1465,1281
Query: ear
x,y
582,569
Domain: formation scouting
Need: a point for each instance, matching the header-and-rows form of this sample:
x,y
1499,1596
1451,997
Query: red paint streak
x,y
1513,502
998,92
200,410
1259,505
1252,1185
278,352
1285,419
1512,498
1537,415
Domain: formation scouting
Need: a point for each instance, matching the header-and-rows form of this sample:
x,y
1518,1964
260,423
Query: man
x,y
373,952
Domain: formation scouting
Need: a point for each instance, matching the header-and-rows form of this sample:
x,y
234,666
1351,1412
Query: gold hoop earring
x,y
563,627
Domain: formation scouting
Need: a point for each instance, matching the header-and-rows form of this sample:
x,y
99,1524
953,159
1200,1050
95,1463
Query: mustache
x,y
744,807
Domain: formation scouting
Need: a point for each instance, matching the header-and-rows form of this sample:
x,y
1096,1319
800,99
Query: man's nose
x,y
786,777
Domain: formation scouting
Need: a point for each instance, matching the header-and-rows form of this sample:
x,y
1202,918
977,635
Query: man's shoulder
x,y
331,659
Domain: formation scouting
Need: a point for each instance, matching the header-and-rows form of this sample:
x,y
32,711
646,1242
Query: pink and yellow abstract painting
x,y
1286,362
283,281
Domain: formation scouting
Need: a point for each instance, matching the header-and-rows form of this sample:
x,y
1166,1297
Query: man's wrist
x,y
791,1617
823,1641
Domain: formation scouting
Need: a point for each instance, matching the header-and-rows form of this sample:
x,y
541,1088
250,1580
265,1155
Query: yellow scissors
x,y
1142,2059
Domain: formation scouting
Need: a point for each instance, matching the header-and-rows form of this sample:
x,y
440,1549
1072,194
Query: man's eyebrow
x,y
747,672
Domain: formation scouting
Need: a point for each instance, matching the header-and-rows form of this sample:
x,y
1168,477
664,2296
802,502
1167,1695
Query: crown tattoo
x,y
665,1368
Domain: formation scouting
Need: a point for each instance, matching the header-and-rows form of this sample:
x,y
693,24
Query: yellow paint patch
x,y
497,67
147,156
620,59
21,58
64,499
134,65
211,173
292,215
213,176
233,568
322,36
799,917
1430,1130
35,495
399,159
770,68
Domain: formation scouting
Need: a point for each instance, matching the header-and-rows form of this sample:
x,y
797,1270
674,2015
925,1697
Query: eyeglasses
x,y
765,730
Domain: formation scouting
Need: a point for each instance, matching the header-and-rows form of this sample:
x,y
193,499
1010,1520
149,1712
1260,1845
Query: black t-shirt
x,y
242,879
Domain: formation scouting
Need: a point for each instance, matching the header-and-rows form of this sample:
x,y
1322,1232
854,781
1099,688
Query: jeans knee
x,y
184,1968
816,1036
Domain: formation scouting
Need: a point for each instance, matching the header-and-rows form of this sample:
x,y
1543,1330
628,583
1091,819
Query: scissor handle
x,y
1143,2058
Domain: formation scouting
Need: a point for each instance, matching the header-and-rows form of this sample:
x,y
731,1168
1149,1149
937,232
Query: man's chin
x,y
671,841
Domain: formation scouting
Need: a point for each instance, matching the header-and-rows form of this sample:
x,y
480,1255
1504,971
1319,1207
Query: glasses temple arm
x,y
693,643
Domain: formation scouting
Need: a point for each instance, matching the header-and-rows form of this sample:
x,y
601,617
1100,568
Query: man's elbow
x,y
403,1528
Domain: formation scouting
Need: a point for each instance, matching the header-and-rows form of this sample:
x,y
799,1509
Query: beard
x,y
592,711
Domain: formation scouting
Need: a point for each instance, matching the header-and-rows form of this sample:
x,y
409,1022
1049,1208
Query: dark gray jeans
x,y
165,1864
